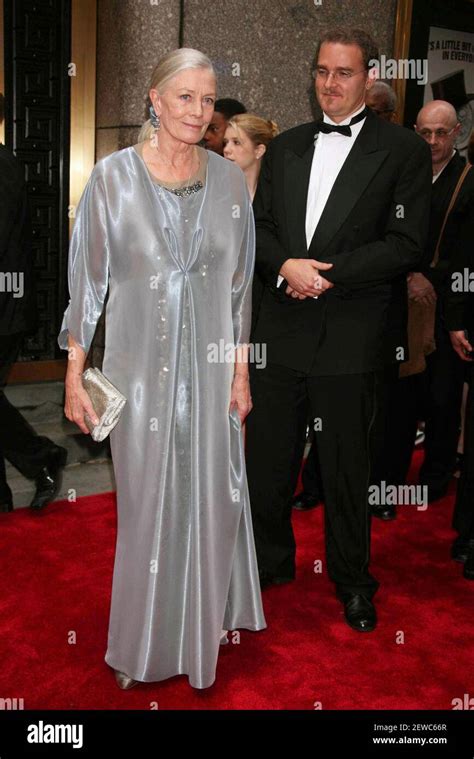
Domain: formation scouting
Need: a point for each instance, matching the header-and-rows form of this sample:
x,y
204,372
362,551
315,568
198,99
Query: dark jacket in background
x,y
459,306
17,314
442,193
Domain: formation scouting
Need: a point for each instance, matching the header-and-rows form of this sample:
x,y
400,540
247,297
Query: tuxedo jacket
x,y
17,314
373,230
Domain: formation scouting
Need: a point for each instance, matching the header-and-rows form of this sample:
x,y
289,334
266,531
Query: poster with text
x,y
451,76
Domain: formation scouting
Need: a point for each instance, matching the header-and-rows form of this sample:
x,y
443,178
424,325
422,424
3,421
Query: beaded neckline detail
x,y
183,192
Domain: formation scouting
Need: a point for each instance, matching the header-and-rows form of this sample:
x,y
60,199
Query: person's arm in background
x,y
11,189
458,300
421,282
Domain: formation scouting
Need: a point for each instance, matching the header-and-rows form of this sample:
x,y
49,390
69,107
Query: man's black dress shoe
x,y
48,482
6,506
468,570
305,501
359,612
387,513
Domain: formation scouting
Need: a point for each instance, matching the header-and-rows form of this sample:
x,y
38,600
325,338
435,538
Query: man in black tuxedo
x,y
35,456
340,221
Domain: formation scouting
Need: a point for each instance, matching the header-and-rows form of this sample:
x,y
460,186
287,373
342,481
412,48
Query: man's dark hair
x,y
229,107
2,107
367,44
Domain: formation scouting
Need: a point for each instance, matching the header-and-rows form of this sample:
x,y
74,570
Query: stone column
x,y
132,36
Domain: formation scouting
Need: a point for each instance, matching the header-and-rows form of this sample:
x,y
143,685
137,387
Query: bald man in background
x,y
434,394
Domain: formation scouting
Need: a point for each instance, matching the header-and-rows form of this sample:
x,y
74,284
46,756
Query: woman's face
x,y
186,105
239,147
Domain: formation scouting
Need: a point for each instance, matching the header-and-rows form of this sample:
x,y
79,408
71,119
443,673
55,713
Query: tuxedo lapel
x,y
362,163
297,172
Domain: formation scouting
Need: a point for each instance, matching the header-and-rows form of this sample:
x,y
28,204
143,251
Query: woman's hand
x,y
78,403
240,396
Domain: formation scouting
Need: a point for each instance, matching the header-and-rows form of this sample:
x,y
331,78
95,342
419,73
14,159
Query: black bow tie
x,y
322,126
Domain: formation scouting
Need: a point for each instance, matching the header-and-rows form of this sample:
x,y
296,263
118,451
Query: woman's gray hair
x,y
168,67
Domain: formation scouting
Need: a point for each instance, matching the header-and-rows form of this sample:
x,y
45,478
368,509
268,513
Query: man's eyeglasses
x,y
340,75
440,134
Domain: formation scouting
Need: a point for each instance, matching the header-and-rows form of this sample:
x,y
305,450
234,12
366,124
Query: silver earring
x,y
155,120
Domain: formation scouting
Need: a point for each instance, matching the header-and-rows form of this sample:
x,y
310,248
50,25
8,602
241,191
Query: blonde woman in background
x,y
245,142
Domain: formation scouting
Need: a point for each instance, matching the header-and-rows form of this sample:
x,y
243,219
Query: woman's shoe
x,y
124,681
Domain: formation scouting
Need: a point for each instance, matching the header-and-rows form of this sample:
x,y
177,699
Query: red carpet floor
x,y
56,572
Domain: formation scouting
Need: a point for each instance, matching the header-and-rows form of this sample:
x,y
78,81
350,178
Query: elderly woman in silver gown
x,y
168,229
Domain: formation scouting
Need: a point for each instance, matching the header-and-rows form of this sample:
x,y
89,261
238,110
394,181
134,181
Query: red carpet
x,y
56,572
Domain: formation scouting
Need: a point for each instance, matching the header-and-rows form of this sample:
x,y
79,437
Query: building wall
x,y
263,51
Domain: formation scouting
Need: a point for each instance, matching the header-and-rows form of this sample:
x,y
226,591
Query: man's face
x,y
214,136
341,80
439,132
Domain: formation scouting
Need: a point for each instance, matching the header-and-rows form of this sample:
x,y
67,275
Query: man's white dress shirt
x,y
330,152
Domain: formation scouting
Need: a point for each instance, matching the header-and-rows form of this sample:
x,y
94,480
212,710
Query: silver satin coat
x,y
185,564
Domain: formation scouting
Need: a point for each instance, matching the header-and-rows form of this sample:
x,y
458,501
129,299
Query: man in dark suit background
x,y
459,319
340,222
35,456
435,393
437,123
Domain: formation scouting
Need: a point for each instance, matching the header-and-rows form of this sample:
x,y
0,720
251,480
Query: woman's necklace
x,y
186,189
189,189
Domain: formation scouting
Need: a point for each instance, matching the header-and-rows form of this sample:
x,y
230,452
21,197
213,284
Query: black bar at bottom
x,y
146,733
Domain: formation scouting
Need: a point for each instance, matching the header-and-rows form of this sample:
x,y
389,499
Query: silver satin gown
x,y
179,274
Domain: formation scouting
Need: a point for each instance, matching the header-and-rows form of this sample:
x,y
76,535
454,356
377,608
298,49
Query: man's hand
x,y
420,289
461,344
320,285
303,277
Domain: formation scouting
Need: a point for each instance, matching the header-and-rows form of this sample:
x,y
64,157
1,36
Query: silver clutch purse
x,y
108,403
